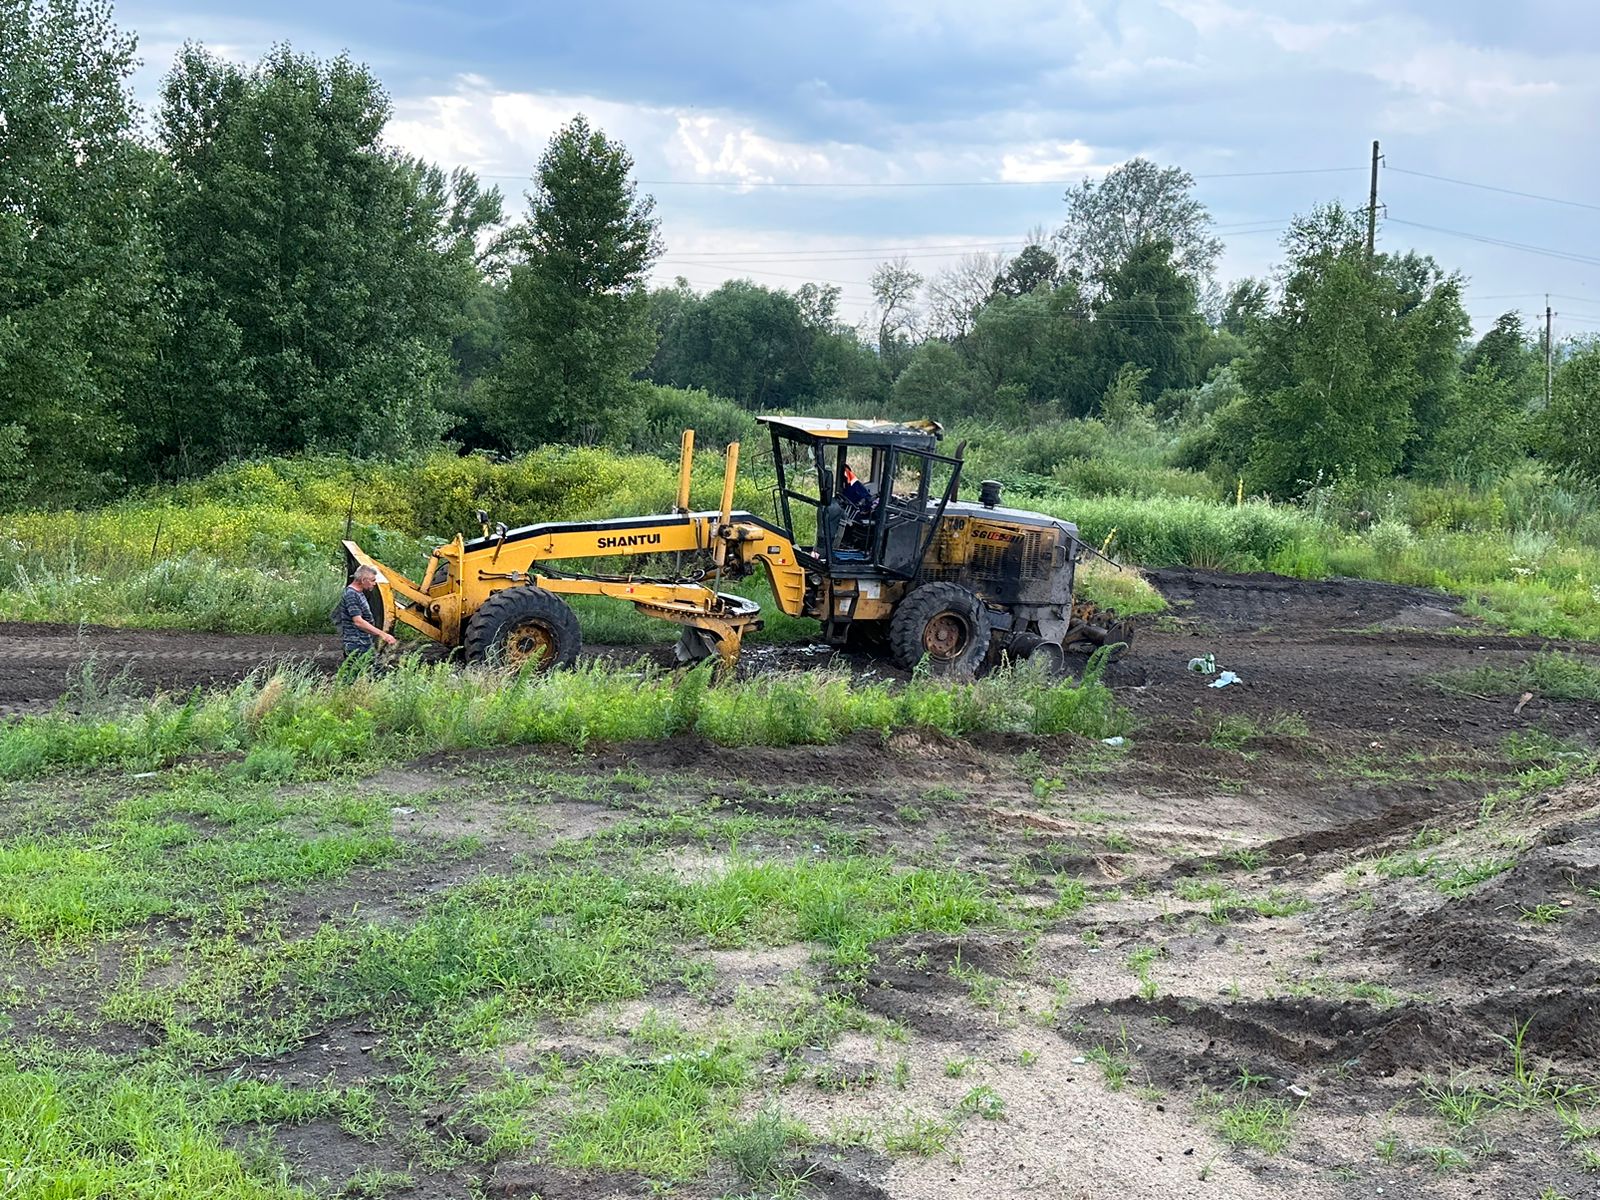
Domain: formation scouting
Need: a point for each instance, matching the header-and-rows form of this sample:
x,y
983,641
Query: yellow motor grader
x,y
867,537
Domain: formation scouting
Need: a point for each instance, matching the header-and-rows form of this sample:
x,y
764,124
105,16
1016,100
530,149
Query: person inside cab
x,y
857,495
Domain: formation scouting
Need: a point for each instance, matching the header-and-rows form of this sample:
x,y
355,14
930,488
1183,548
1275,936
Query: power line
x,y
1585,259
855,249
733,258
959,183
931,183
1489,187
1552,295
1535,317
934,250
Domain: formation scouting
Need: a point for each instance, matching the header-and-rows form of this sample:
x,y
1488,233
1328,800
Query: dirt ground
x,y
1333,891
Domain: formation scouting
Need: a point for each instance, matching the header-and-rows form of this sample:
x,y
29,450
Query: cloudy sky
x,y
793,141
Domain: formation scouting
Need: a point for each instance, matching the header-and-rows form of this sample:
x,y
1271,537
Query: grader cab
x,y
867,537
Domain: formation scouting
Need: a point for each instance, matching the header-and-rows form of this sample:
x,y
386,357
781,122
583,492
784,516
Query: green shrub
x,y
1456,507
716,422
1186,531
1390,540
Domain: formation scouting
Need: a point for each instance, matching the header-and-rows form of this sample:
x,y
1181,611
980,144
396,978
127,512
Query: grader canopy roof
x,y
911,435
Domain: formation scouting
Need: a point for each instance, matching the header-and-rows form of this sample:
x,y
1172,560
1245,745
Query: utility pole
x,y
1549,352
1372,205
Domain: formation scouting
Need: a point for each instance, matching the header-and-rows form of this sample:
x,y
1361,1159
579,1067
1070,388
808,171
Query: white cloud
x,y
501,133
1000,23
1303,37
1450,82
719,148
1050,160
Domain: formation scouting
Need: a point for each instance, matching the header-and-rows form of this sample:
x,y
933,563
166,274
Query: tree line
x,y
259,273
255,271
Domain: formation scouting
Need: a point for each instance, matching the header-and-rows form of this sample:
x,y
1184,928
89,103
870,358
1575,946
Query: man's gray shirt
x,y
352,605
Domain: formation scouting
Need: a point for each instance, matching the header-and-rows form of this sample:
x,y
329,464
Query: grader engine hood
x,y
1010,517
1009,555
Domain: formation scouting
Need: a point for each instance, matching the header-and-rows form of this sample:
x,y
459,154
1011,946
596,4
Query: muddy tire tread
x,y
925,603
485,626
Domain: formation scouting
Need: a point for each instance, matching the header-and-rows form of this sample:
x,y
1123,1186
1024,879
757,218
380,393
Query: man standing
x,y
352,616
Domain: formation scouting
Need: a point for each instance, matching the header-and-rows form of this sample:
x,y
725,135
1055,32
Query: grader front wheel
x,y
524,627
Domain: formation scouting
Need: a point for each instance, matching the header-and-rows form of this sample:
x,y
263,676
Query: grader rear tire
x,y
944,624
524,626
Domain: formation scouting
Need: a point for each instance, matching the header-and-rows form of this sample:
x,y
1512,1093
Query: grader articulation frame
x,y
890,555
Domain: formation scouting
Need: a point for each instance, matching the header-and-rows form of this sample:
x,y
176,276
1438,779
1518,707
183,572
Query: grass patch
x,y
317,722
1523,1086
59,892
254,547
1405,866
1549,673
1226,903
1445,1158
662,1107
1232,732
1124,590
1289,724
1342,989
659,1116
1262,1124
1466,877
1457,1100
1198,891
983,1101
1115,1060
175,852
561,941
101,1128
1278,903
913,1133
1246,858
758,1148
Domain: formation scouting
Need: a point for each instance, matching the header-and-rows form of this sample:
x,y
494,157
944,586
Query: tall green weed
x,y
317,722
